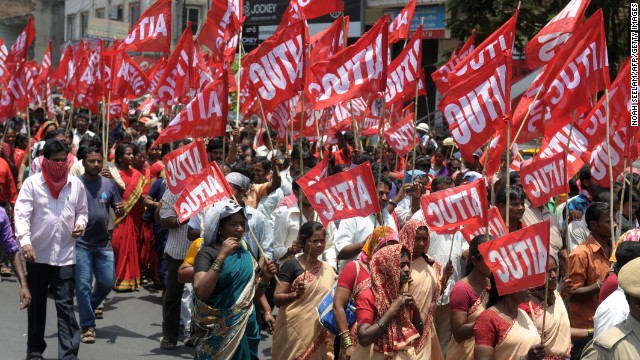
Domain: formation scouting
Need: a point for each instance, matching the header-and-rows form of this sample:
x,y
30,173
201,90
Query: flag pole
x,y
506,172
28,137
70,120
107,123
484,171
612,220
624,185
566,172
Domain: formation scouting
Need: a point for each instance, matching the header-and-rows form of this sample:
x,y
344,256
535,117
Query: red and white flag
x,y
328,42
359,69
62,74
493,46
207,188
292,14
518,260
344,195
440,76
402,136
183,164
175,79
18,51
480,105
316,173
623,144
205,116
542,48
45,69
496,226
14,97
312,9
557,143
145,106
128,80
224,20
152,32
544,179
276,67
461,205
400,26
404,71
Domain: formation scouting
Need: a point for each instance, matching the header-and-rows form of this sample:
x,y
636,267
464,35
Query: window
x,y
84,24
191,14
71,28
100,13
134,13
117,12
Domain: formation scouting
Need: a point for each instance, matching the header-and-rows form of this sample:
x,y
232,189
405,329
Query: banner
x,y
542,48
20,47
623,144
545,178
328,42
400,26
518,261
404,71
224,20
207,188
129,81
316,173
344,195
175,79
312,9
557,143
183,164
14,97
461,205
361,68
497,227
440,76
152,32
402,136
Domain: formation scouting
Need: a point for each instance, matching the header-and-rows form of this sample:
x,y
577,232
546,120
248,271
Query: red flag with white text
x,y
224,20
402,136
14,97
328,42
557,143
403,73
440,76
544,179
183,164
207,188
20,47
496,226
344,195
622,145
461,205
174,82
128,80
518,260
316,173
152,32
400,26
312,9
45,69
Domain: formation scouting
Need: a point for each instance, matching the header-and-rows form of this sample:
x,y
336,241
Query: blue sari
x,y
225,323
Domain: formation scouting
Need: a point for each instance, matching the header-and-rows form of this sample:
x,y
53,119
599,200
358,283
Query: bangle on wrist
x,y
343,333
217,265
381,325
590,332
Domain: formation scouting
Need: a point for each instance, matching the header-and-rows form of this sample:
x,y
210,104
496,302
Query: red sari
x,y
127,232
147,256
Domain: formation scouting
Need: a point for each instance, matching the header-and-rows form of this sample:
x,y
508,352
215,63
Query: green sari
x,y
224,322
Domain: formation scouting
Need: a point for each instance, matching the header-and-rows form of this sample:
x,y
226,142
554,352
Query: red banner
x,y
316,173
478,106
402,136
224,20
183,164
328,42
14,97
544,179
542,48
404,71
61,75
204,116
129,81
557,143
152,32
45,69
18,51
400,26
175,79
207,188
276,67
497,227
440,76
519,260
361,68
621,146
461,205
344,195
312,9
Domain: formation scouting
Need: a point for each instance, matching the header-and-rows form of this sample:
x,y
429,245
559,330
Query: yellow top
x,y
190,258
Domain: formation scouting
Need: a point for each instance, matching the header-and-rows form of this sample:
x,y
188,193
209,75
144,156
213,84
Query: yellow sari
x,y
425,289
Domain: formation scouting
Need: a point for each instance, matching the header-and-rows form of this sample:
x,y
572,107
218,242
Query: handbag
x,y
325,308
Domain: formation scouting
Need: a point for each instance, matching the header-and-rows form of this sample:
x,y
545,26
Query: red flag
x,y
223,22
14,97
497,227
344,195
18,51
204,116
478,106
30,74
45,69
145,106
404,71
60,77
492,47
557,143
401,136
3,59
51,107
400,26
89,83
128,80
155,74
440,76
276,67
174,83
207,188
152,32
328,42
316,173
292,14
461,205
519,260
354,71
622,145
544,179
312,9
542,48
181,165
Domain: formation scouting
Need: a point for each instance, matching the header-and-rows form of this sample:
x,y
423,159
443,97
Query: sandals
x,y
98,313
88,336
167,345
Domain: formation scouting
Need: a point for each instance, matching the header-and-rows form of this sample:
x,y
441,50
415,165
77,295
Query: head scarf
x,y
412,175
212,218
39,136
55,174
238,179
631,235
385,280
376,240
408,234
539,291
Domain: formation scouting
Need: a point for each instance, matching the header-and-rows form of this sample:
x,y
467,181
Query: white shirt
x,y
77,137
611,312
46,223
578,232
268,204
356,230
403,211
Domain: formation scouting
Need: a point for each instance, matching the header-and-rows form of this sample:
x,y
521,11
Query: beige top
x,y
621,342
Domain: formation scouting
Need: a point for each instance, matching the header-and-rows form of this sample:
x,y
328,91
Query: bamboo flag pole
x,y
484,171
28,138
566,172
612,220
70,119
624,185
506,173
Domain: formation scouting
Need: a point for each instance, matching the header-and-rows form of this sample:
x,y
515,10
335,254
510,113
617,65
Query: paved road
x,y
131,328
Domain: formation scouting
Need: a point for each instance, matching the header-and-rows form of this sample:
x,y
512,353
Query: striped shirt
x,y
177,242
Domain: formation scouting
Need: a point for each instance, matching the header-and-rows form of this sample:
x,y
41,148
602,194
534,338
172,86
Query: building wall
x,y
46,18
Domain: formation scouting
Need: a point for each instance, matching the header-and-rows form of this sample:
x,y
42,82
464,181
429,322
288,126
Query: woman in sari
x,y
557,329
353,280
469,299
127,227
224,285
389,321
425,286
304,282
504,331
